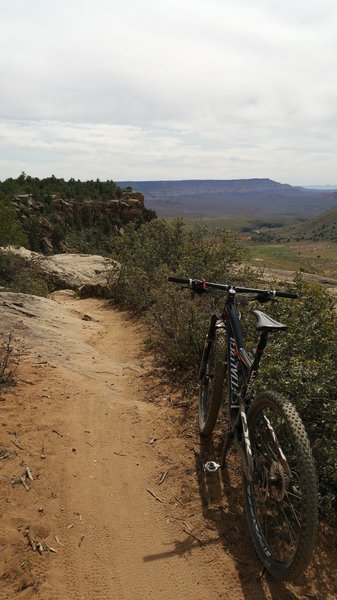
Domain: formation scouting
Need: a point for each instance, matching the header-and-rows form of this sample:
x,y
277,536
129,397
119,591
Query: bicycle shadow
x,y
222,505
222,510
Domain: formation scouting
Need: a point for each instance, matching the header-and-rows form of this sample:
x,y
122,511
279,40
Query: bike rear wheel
x,y
282,501
212,384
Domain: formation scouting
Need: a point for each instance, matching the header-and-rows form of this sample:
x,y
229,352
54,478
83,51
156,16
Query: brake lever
x,y
200,288
195,289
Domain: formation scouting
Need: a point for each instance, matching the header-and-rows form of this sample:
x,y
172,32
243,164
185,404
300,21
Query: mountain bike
x,y
278,471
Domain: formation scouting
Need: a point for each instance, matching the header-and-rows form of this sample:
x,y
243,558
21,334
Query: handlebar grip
x,y
182,280
287,295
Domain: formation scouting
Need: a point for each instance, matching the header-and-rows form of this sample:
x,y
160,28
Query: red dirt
x,y
118,488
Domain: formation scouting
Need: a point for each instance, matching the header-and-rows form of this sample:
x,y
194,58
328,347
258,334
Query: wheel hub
x,y
271,482
277,481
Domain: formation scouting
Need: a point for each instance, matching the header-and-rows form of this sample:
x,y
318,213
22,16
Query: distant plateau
x,y
250,197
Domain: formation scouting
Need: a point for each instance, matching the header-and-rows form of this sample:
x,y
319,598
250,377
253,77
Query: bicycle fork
x,y
216,322
243,445
240,436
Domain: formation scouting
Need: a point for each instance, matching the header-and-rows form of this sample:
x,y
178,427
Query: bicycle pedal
x,y
211,466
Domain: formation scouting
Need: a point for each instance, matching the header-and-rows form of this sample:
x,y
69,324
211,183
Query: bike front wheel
x,y
281,502
212,383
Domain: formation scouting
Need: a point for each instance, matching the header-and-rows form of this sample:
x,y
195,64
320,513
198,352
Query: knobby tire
x,y
282,503
212,384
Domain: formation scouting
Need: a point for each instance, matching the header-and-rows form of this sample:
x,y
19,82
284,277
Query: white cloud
x,y
84,151
169,89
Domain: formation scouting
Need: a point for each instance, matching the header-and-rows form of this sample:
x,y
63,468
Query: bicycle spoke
x,y
277,496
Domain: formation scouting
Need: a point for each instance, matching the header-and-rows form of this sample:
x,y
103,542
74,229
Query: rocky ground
x,y
87,274
118,506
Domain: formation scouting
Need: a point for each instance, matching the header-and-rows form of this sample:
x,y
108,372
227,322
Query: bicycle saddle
x,y
264,322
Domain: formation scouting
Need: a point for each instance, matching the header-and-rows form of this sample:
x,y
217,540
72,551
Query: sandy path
x,y
98,434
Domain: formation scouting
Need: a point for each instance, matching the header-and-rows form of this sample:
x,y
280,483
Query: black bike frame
x,y
242,373
242,370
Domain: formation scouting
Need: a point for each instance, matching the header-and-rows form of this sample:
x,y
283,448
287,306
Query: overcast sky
x,y
169,89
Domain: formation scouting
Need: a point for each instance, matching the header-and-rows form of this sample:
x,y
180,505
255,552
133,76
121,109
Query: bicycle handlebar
x,y
200,285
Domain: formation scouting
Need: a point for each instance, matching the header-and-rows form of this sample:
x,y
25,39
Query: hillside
x,y
250,197
59,216
320,228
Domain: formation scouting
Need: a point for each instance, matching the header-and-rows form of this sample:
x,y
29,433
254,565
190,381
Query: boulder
x,y
88,274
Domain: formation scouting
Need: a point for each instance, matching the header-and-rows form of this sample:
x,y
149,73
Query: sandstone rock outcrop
x,y
85,273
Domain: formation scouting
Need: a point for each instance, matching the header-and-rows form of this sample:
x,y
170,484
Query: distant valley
x,y
248,197
319,228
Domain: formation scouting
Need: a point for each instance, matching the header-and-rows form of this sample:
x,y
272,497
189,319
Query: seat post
x,y
260,349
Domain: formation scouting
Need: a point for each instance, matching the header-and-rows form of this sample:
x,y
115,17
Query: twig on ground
x,y
154,495
57,432
57,539
162,477
29,474
179,501
18,446
23,481
182,520
136,370
154,386
30,540
194,536
16,442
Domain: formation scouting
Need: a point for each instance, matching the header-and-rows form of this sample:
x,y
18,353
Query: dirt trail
x,y
118,487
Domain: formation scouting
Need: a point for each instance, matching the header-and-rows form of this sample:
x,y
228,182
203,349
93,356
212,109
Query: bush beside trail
x,y
18,275
300,363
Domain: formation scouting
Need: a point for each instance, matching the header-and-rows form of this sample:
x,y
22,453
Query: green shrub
x,y
177,326
11,232
19,276
5,359
147,255
29,281
300,363
156,249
